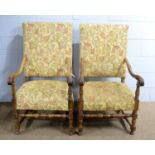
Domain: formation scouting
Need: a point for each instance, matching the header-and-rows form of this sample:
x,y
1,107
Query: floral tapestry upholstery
x,y
108,96
48,49
43,95
103,49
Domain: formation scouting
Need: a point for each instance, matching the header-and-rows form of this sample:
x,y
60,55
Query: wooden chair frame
x,y
20,115
120,113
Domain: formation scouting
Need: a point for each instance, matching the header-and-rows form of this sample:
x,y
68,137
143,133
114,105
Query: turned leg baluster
x,y
134,113
80,111
71,109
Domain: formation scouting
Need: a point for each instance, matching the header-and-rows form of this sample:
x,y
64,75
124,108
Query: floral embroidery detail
x,y
108,96
48,49
103,49
43,95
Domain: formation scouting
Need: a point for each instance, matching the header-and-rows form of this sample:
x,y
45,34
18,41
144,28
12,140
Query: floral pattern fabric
x,y
107,96
103,49
48,49
43,95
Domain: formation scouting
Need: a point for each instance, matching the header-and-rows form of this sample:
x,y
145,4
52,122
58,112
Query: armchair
x,y
47,53
103,51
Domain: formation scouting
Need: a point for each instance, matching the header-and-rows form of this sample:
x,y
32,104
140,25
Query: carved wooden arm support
x,y
70,83
13,76
81,83
139,79
81,79
80,105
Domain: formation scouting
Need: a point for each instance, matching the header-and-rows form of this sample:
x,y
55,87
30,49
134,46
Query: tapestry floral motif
x,y
48,49
108,96
103,49
43,95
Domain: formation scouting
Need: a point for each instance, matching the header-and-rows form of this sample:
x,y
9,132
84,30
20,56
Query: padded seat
x,y
43,95
107,96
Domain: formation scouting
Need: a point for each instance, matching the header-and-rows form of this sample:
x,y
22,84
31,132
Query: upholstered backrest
x,y
103,49
47,49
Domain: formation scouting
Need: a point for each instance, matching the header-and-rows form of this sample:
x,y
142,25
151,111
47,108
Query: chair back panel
x,y
47,49
103,49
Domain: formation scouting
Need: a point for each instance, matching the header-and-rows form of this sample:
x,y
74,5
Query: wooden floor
x,y
54,129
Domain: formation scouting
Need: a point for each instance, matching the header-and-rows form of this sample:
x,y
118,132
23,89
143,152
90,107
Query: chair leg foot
x,y
80,132
71,131
133,124
132,132
71,127
17,127
80,128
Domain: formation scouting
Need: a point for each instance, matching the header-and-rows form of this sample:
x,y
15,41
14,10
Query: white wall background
x,y
141,49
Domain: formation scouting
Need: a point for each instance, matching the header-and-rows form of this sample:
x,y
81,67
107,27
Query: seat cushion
x,y
43,95
107,96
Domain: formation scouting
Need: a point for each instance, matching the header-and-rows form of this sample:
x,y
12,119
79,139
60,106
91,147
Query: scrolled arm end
x,y
140,80
10,80
81,81
70,81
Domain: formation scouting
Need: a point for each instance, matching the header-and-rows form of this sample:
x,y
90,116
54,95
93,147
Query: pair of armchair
x,y
48,53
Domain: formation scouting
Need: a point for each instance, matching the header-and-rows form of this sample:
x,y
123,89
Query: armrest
x,y
139,79
13,76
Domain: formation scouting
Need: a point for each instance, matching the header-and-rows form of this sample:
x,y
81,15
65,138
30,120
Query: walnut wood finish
x,y
70,106
119,114
43,115
80,100
101,115
19,116
80,108
140,82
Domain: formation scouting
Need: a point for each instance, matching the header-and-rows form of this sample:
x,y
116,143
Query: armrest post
x,y
140,82
11,81
80,106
